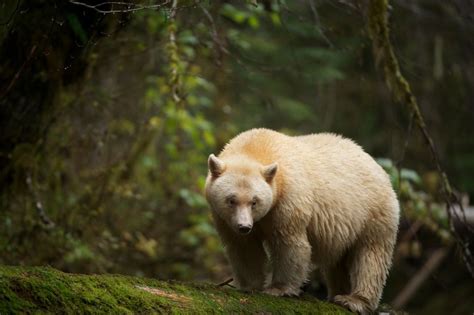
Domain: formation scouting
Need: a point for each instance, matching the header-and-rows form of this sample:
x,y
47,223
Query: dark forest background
x,y
108,112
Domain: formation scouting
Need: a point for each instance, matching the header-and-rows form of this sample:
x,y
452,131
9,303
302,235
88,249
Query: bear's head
x,y
240,190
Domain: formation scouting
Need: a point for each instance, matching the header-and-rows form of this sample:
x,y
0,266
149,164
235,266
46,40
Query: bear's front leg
x,y
291,261
248,260
246,255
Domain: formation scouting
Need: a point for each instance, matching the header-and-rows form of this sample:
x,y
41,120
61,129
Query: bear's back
x,y
304,152
330,168
315,160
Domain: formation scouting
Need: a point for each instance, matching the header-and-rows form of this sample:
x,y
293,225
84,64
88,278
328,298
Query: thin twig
x,y
420,277
226,283
215,36
317,21
175,79
10,18
17,74
131,7
48,223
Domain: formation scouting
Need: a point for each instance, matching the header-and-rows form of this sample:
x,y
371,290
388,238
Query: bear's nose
x,y
245,229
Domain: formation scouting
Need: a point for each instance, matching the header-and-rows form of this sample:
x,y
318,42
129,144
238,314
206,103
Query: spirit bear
x,y
282,204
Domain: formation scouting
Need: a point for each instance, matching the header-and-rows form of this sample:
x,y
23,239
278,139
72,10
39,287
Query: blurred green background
x,y
108,113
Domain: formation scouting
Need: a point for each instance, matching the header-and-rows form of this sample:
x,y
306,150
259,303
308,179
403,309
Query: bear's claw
x,y
353,303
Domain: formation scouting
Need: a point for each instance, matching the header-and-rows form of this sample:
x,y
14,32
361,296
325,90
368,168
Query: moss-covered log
x,y
47,290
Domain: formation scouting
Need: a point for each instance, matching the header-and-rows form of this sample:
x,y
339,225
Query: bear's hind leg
x,y
368,264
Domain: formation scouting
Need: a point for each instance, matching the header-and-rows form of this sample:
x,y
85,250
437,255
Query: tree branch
x,y
127,6
420,277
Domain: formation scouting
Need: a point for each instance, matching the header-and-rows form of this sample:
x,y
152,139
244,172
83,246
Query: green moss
x,y
47,290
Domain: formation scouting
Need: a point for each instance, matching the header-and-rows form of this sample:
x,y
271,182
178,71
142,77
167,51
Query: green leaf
x,y
410,175
187,37
234,14
77,28
253,22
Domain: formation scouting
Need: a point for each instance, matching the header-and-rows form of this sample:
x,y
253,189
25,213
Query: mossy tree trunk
x,y
46,290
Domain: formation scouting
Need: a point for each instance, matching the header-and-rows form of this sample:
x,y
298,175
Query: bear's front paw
x,y
282,291
353,303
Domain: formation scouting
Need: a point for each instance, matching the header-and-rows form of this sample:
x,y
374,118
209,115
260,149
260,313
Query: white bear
x,y
282,204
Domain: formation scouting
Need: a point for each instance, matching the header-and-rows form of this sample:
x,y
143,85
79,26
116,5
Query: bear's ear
x,y
216,166
269,171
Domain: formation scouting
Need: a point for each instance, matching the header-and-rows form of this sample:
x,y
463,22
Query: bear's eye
x,y
254,203
231,202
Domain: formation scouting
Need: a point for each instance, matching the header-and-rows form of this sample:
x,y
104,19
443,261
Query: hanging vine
x,y
379,32
173,56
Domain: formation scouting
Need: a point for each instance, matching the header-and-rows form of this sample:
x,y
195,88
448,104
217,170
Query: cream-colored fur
x,y
324,201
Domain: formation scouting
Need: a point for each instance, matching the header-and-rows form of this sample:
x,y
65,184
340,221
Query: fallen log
x,y
47,290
